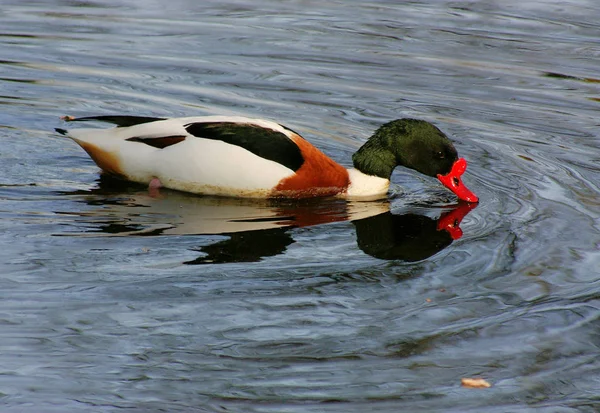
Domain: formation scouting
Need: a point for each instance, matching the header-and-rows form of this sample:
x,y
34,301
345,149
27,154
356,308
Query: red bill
x,y
453,182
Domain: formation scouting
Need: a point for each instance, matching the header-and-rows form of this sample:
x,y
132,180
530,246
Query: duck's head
x,y
418,145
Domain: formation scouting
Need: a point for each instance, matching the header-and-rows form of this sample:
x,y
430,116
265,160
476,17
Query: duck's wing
x,y
265,139
268,143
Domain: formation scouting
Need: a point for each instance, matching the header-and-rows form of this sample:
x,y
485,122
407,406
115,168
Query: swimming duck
x,y
255,158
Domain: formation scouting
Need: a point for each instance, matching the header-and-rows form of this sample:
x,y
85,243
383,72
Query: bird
x,y
255,158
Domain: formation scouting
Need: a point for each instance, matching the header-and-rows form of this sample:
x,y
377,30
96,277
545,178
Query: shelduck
x,y
255,158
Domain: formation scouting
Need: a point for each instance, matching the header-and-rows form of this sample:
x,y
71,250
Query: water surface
x,y
113,300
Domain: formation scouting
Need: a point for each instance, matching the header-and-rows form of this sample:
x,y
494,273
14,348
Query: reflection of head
x,y
407,237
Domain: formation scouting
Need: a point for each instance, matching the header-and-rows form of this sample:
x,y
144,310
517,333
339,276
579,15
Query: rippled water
x,y
113,300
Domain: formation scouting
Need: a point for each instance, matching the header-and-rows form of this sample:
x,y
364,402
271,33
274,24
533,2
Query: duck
x,y
245,157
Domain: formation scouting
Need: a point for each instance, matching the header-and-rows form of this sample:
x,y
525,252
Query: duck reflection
x,y
256,229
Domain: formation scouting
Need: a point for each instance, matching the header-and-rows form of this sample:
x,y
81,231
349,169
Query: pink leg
x,y
153,187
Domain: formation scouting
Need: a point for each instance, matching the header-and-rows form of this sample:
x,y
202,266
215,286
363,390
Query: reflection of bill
x,y
261,228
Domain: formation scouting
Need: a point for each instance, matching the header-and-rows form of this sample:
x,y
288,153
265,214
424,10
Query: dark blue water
x,y
114,300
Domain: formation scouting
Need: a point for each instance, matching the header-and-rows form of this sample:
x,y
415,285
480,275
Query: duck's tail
x,y
119,120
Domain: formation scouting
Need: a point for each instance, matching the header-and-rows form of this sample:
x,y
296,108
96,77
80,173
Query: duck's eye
x,y
441,155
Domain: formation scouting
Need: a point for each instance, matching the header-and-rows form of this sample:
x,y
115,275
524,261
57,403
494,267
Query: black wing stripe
x,y
121,121
266,143
159,142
